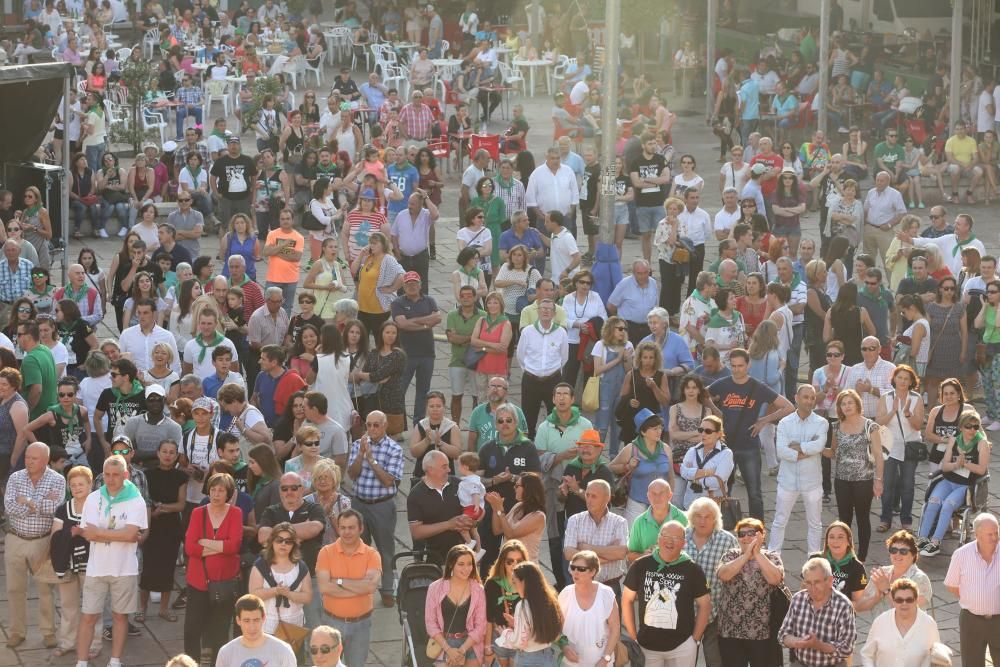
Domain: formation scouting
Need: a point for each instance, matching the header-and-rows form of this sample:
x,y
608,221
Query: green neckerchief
x,y
717,321
508,594
697,294
838,564
32,211
71,293
194,174
204,347
640,444
959,244
490,322
966,448
261,483
505,186
574,417
49,289
326,170
120,397
552,327
661,564
796,281
97,109
66,330
218,133
578,462
474,273
245,281
71,418
128,492
518,439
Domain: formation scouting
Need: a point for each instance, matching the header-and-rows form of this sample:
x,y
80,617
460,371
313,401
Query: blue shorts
x,y
649,217
621,214
785,230
503,653
455,642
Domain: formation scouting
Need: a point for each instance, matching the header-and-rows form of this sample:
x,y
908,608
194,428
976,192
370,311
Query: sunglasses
x,y
291,487
13,229
24,310
579,568
284,540
121,452
324,649
747,533
900,550
906,600
113,374
67,394
971,427
506,420
748,205
834,355
706,430
869,349
311,443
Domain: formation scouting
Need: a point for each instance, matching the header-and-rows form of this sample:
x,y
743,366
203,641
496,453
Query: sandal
x,y
883,528
94,652
168,616
140,617
60,652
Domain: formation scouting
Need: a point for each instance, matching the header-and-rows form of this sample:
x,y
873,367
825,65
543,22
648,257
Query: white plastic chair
x,y
318,71
217,90
354,55
124,54
395,77
150,42
152,120
445,47
559,71
293,68
512,76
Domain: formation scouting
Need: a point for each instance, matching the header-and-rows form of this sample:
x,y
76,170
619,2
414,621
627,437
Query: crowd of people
x,y
247,425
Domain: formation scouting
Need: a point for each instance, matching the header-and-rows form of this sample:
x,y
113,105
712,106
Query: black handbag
x,y
311,223
219,592
473,354
915,449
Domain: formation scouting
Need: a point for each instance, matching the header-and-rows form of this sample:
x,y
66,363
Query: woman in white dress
x,y
590,614
332,369
903,635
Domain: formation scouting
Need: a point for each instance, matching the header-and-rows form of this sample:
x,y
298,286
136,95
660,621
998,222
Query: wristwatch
x,y
340,582
609,659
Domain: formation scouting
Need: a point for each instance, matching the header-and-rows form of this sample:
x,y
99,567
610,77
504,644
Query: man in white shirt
x,y
254,646
728,215
552,187
475,171
139,341
565,254
766,78
884,208
952,245
112,518
549,350
697,226
581,89
198,351
801,440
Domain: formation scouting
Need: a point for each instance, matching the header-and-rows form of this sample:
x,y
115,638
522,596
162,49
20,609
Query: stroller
x,y
412,583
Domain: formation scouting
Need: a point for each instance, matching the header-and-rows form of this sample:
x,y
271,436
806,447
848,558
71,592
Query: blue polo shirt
x,y
634,302
406,180
787,106
749,94
675,351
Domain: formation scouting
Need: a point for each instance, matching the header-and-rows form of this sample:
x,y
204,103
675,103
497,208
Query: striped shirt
x,y
30,522
709,557
978,582
880,375
417,121
14,282
611,531
833,623
389,456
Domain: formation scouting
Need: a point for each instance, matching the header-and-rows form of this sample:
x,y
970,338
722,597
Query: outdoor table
x,y
463,136
504,98
532,65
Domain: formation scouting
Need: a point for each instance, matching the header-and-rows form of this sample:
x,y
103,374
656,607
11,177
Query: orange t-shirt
x,y
279,269
339,565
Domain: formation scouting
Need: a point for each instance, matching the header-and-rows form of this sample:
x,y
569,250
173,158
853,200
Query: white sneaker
x,y
995,426
102,233
122,231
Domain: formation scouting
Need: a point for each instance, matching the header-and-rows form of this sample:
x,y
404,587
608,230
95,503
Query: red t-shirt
x,y
775,162
289,383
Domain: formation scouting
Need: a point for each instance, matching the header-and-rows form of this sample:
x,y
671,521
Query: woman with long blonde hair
x,y
767,367
613,356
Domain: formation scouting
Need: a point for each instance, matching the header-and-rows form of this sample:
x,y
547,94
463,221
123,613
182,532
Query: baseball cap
x,y
123,439
202,403
758,169
170,146
234,138
368,194
155,390
411,275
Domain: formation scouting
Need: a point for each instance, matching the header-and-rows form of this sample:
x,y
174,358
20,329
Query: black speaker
x,y
48,178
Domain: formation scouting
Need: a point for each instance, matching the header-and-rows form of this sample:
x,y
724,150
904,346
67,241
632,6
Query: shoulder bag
x,y
220,593
915,450
473,354
294,635
523,302
310,222
731,509
434,649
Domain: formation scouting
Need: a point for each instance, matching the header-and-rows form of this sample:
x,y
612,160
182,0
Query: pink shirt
x,y
476,620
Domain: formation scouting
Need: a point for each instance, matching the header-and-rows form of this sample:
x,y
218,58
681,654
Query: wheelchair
x,y
976,501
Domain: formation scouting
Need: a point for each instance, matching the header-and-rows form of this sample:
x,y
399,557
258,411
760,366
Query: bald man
x,y
30,501
872,377
85,292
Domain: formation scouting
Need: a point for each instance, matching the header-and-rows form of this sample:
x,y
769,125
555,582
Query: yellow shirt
x,y
367,281
963,150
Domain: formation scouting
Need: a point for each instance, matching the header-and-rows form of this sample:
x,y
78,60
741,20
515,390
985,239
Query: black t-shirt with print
x,y
666,601
519,458
118,412
588,189
649,168
848,578
236,176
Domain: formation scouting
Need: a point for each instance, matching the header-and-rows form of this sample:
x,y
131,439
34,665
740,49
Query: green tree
x,y
136,77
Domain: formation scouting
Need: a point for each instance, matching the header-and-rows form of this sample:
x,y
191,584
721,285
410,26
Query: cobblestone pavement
x,y
161,640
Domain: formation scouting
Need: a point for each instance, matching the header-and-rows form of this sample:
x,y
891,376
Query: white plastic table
x,y
532,65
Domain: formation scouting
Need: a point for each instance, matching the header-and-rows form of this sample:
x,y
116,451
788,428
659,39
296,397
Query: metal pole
x,y
609,125
824,58
713,12
64,188
954,112
536,24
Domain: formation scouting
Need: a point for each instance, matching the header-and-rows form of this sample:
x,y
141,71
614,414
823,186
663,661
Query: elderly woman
x,y
583,305
646,458
455,610
902,635
326,493
69,560
591,620
281,579
748,574
666,240
903,555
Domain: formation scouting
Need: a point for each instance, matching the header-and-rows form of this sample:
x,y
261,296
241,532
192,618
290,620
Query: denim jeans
x,y
288,290
898,485
356,638
183,113
202,202
747,127
544,658
120,210
93,154
423,368
81,210
946,497
792,363
748,461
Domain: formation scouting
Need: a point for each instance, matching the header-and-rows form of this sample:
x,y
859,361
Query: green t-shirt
x,y
807,47
463,327
890,155
38,367
481,421
549,439
645,530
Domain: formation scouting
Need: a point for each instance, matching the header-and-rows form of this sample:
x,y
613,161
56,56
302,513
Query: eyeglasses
x,y
506,420
584,282
747,533
579,568
67,394
311,443
184,200
706,430
900,550
869,348
324,649
290,487
113,374
284,540
834,355
122,452
971,427
906,600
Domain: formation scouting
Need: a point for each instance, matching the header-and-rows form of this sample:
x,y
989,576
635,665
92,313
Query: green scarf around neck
x,y
716,320
592,468
661,564
838,565
490,322
960,244
574,417
967,447
640,444
71,418
505,185
120,397
70,293
128,492
32,211
700,297
203,351
194,174
472,274
508,594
